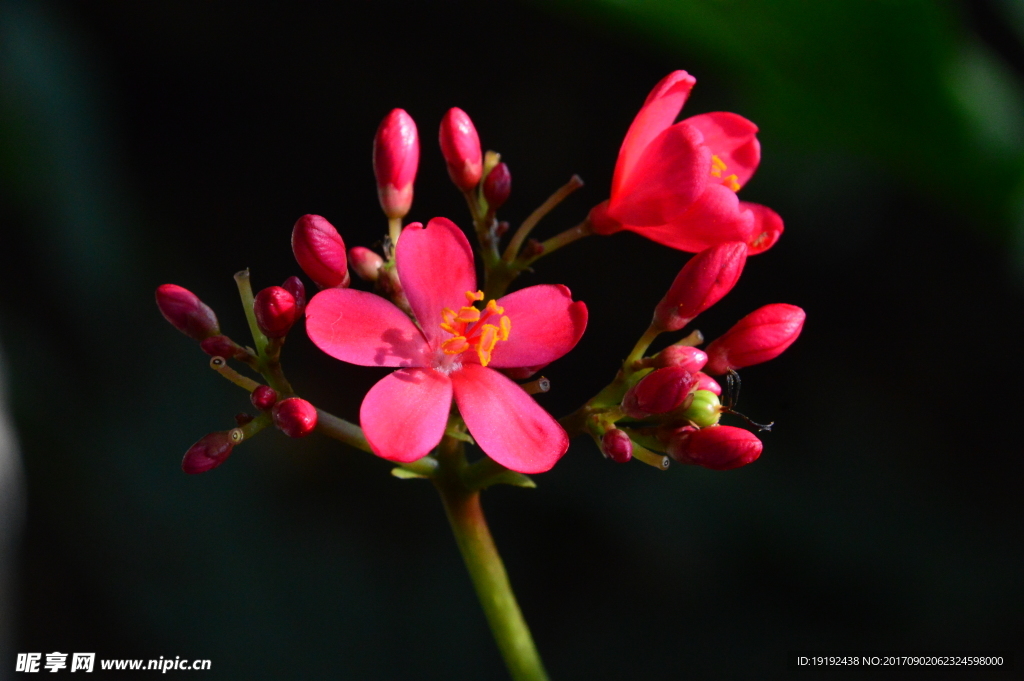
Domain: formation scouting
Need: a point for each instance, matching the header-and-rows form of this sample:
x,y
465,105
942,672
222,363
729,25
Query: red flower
x,y
676,183
450,353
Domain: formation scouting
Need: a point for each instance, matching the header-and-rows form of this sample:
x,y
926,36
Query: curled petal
x,y
767,227
715,218
546,324
435,267
732,138
506,422
362,328
405,413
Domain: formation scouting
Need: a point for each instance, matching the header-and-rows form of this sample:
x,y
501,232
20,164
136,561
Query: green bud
x,y
705,410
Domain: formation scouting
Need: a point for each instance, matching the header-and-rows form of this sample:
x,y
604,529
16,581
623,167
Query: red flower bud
x,y
705,382
263,397
660,391
461,148
497,186
209,452
396,155
186,312
760,336
294,286
276,311
220,346
718,447
701,283
295,417
690,358
617,446
320,251
365,263
242,418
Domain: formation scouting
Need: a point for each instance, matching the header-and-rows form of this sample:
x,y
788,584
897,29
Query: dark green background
x,y
145,143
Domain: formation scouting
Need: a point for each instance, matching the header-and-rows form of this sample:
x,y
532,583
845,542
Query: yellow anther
x,y
506,326
468,314
448,315
454,346
473,297
488,339
494,308
732,183
717,166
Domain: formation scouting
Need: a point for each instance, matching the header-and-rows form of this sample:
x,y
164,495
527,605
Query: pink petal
x,y
435,266
733,139
546,324
716,218
767,227
362,328
405,413
658,112
506,422
669,176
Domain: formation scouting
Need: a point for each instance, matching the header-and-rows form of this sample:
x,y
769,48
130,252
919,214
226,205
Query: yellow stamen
x,y
488,339
506,326
731,183
717,166
494,308
454,346
468,314
473,297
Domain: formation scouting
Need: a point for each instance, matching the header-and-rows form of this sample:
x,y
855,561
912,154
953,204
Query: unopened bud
x,y
705,382
718,448
242,418
320,251
497,186
396,155
704,410
660,391
276,311
209,452
186,312
263,397
684,356
501,228
617,446
532,249
701,283
365,263
460,145
295,417
294,286
760,336
221,346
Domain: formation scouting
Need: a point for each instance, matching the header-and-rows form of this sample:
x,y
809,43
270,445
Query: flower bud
x,y
242,418
760,336
497,186
701,283
186,312
221,346
461,148
718,448
617,446
276,311
263,397
320,251
295,417
660,391
396,155
294,286
365,263
704,410
684,356
705,382
209,452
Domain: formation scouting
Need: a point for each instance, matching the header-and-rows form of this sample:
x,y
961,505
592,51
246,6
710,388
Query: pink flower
x,y
676,183
450,351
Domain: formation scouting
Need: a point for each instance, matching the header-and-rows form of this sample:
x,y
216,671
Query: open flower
x,y
676,183
451,350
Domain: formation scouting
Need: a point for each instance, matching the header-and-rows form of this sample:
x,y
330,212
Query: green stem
x,y
536,216
485,567
245,291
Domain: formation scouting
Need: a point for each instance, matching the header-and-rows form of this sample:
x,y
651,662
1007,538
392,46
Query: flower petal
x,y
363,328
546,324
733,139
435,267
767,227
658,112
715,218
404,415
669,176
506,422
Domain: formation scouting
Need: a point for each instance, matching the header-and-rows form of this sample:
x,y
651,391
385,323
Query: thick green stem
x,y
485,567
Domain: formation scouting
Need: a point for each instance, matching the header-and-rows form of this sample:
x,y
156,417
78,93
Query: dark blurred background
x,y
146,143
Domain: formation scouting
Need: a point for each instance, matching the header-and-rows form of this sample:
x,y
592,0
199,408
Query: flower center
x,y
718,167
475,329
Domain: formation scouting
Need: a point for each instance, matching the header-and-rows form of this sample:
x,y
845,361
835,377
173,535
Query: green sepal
x,y
406,474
